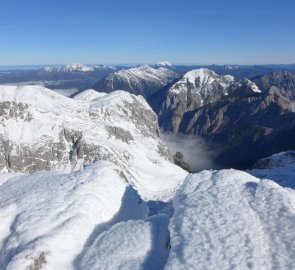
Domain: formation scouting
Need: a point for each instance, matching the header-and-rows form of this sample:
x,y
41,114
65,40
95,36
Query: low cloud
x,y
293,106
193,148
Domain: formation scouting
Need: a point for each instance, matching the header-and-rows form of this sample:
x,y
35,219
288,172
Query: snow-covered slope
x,y
47,218
200,87
89,95
142,80
231,220
42,130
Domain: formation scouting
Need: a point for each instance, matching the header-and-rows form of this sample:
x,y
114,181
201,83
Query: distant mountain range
x,y
76,76
242,112
242,120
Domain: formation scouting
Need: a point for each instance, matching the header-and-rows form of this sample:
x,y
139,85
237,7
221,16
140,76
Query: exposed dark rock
x,y
283,80
120,134
179,160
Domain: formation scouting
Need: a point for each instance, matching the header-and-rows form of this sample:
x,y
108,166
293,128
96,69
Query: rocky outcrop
x,y
179,160
283,80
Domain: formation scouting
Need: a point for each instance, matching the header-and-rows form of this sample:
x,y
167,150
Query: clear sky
x,y
146,31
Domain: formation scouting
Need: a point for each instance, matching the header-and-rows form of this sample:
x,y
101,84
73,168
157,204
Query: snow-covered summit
x,y
89,95
164,64
203,81
144,80
199,87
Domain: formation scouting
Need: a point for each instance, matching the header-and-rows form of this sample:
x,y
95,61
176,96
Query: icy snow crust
x,y
231,220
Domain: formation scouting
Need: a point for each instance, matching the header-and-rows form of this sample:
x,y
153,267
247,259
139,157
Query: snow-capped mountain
x,y
43,130
69,68
74,68
198,88
72,77
163,64
143,80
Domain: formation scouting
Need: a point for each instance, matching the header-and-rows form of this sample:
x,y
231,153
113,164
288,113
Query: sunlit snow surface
x,y
229,219
53,215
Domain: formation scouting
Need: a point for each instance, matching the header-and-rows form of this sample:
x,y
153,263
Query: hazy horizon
x,y
36,66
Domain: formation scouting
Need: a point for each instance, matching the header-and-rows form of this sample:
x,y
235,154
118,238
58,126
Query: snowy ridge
x,y
89,95
47,131
74,68
146,73
144,80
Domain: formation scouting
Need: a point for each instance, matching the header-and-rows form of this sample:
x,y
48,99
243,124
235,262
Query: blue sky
x,y
145,31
